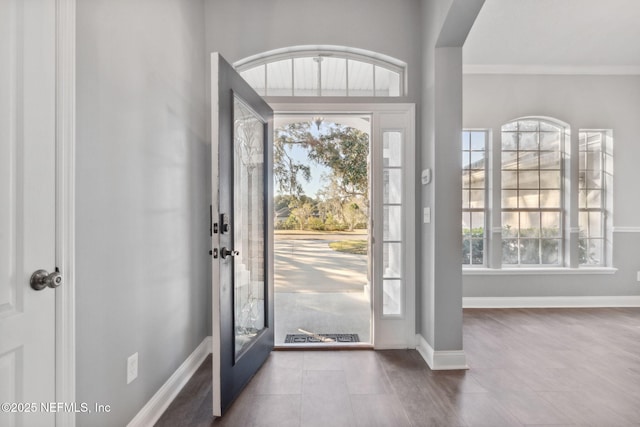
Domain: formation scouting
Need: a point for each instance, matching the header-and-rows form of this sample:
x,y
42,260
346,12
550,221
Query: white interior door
x,y
27,209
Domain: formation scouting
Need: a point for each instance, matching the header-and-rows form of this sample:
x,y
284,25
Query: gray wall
x,y
142,198
446,24
584,102
241,28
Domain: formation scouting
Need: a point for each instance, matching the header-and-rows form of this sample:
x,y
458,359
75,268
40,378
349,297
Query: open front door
x,y
242,249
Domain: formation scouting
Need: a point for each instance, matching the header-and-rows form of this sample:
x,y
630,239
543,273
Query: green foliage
x,y
531,246
287,172
585,255
315,224
358,247
331,224
343,202
290,223
281,204
345,151
473,246
302,211
353,215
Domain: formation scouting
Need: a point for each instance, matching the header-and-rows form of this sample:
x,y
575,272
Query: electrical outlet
x,y
132,368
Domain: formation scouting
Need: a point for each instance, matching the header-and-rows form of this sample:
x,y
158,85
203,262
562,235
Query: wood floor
x,y
533,367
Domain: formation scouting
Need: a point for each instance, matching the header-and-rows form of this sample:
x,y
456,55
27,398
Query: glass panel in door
x,y
249,232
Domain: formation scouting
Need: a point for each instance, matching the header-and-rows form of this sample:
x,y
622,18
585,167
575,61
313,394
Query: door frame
x,y
408,318
65,321
329,116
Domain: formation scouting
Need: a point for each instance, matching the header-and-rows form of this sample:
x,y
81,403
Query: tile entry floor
x,y
541,367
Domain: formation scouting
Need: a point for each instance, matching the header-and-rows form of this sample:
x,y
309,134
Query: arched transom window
x,y
323,71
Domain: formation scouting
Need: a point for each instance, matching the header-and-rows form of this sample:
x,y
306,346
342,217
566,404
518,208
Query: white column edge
x,y
441,360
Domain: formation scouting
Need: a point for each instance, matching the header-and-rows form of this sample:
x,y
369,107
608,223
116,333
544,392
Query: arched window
x,y
532,192
324,71
544,223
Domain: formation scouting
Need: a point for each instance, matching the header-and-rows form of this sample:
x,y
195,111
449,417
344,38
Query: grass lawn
x,y
358,247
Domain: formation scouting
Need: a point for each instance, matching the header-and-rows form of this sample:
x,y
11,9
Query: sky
x,y
299,154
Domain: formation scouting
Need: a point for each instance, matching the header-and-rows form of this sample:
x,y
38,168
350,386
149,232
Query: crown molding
x,y
588,70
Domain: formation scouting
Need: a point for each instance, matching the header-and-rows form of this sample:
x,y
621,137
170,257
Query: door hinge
x,y
214,253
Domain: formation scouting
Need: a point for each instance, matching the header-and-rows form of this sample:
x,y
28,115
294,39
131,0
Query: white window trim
x,y
515,271
389,331
487,195
606,197
565,131
493,243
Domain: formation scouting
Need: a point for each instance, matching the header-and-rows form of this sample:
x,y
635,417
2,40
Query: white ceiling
x,y
593,35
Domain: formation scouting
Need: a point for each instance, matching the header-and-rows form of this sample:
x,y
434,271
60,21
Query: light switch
x,y
426,215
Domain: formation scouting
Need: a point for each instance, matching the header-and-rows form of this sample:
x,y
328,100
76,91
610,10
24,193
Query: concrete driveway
x,y
312,266
320,290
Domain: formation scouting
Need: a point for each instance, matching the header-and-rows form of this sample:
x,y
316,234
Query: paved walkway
x,y
319,290
312,266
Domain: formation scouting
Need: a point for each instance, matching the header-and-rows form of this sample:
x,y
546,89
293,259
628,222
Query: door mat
x,y
320,338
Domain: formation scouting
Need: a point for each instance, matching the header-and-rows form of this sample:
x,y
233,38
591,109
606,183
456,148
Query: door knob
x,y
224,252
42,279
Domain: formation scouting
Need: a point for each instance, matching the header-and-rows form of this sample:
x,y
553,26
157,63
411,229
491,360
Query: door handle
x,y
41,279
224,252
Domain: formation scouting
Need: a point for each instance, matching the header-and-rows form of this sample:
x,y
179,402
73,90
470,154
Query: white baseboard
x,y
551,302
156,406
440,360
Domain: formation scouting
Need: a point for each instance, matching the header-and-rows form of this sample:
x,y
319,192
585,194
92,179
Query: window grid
x,y
391,273
591,198
532,208
474,197
390,86
393,230
532,176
